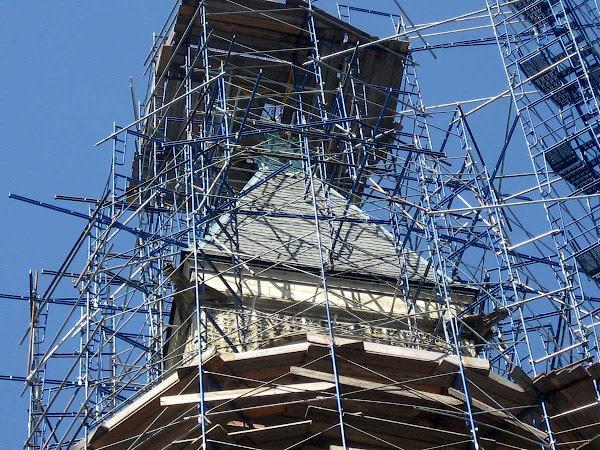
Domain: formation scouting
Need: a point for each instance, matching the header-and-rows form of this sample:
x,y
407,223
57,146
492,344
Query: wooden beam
x,y
401,391
426,357
451,363
500,414
235,394
145,406
266,352
426,433
272,433
322,339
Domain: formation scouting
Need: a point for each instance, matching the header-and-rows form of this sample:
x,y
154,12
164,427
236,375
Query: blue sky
x,y
66,68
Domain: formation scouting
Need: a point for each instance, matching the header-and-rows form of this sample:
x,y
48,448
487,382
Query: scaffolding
x,y
294,251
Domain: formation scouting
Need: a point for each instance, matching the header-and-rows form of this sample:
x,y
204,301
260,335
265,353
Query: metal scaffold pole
x,y
294,249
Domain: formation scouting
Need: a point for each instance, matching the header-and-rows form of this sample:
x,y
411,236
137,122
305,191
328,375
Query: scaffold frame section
x,y
293,250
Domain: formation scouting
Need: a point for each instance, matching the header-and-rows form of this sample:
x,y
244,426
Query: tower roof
x,y
276,226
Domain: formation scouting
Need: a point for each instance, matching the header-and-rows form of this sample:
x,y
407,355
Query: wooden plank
x,y
521,378
291,17
401,391
276,432
357,438
146,405
391,409
594,370
493,376
225,28
543,384
158,436
321,339
500,414
377,425
503,391
387,359
252,21
267,352
289,354
295,16
266,6
258,375
365,367
405,353
234,394
451,364
164,55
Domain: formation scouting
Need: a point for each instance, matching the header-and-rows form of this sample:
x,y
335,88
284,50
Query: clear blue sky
x,y
65,79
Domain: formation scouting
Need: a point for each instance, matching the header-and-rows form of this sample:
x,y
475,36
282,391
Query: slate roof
x,y
276,225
